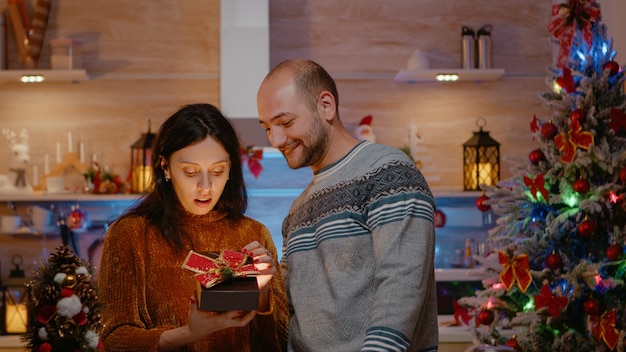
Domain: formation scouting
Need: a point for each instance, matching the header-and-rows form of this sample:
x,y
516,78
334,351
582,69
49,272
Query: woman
x,y
196,202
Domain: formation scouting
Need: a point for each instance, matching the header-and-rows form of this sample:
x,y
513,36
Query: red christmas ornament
x,y
578,115
622,175
612,66
485,317
536,156
591,306
548,130
76,219
480,203
554,261
512,342
581,186
586,228
614,252
440,218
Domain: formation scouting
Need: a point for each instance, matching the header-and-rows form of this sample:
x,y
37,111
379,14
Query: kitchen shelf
x,y
430,75
15,76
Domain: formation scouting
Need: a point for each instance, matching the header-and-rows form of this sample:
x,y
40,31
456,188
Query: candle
x,y
35,176
58,152
69,142
46,164
94,158
81,152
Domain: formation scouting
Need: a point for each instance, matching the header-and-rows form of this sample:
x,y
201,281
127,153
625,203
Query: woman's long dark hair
x,y
189,125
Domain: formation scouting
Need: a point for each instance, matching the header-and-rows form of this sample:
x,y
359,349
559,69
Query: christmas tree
x,y
63,308
554,280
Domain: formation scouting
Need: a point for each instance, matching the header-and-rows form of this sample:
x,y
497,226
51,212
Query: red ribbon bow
x,y
210,272
461,312
618,120
515,269
252,157
567,81
604,329
567,142
537,185
565,18
554,303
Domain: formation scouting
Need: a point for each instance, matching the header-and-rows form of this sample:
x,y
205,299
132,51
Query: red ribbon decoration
x,y
461,312
605,330
210,272
538,184
534,125
565,19
618,120
567,142
554,303
515,269
252,157
567,81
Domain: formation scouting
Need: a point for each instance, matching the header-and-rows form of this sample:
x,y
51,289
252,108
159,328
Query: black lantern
x,y
481,159
141,162
14,314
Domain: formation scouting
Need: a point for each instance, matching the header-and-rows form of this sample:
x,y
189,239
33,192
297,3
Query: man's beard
x,y
313,146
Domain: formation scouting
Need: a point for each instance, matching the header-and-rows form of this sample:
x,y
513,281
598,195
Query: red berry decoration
x,y
485,317
614,252
586,228
578,115
480,203
536,156
581,186
612,66
512,342
622,175
554,261
548,130
591,306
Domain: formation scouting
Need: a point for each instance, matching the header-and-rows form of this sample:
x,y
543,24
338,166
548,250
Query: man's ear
x,y
327,103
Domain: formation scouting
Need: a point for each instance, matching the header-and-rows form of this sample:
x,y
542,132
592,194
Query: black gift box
x,y
236,294
241,294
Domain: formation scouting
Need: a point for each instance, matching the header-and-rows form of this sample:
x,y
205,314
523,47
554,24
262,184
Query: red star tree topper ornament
x,y
210,272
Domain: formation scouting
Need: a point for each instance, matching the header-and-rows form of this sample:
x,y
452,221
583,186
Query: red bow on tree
x,y
567,142
252,157
461,312
534,125
567,81
604,329
618,120
554,303
210,272
515,269
537,185
565,19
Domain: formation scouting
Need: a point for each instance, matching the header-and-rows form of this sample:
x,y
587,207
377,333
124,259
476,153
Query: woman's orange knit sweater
x,y
144,290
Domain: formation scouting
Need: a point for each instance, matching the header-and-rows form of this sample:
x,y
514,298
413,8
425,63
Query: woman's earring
x,y
167,179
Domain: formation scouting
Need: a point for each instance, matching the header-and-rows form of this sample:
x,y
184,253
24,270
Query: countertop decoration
x,y
63,308
100,181
15,180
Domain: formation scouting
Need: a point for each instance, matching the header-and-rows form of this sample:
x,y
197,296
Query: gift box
x,y
235,294
225,281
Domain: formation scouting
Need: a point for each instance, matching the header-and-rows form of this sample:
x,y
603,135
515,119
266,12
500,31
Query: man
x,y
359,241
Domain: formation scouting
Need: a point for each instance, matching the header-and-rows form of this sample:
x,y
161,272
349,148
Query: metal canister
x,y
483,37
3,42
468,48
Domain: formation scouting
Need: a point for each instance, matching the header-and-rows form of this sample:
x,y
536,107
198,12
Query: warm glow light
x,y
484,175
32,79
497,286
141,178
614,198
556,87
16,316
447,77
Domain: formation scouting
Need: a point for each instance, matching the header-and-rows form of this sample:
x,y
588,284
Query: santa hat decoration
x,y
364,130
